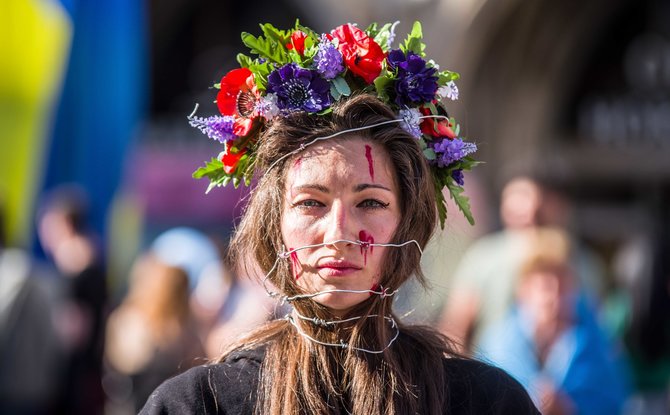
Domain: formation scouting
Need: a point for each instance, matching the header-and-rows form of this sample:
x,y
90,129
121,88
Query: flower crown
x,y
301,70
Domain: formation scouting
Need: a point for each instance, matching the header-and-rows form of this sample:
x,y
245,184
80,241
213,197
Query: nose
x,y
338,226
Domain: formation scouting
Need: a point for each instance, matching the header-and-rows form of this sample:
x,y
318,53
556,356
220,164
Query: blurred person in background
x,y
29,346
151,336
245,306
223,305
484,281
65,237
550,341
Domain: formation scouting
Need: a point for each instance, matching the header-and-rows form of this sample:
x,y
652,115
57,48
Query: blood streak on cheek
x,y
366,239
295,264
371,166
375,287
297,163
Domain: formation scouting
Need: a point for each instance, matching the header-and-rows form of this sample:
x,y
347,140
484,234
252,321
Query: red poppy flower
x,y
230,160
298,42
238,97
436,127
361,53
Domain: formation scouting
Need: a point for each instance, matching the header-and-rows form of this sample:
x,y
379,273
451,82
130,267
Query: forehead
x,y
344,159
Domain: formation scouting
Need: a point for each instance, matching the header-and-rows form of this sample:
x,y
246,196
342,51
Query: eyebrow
x,y
357,188
363,186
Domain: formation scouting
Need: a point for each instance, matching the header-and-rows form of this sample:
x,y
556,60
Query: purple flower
x,y
457,175
216,127
299,89
411,121
328,60
415,83
449,151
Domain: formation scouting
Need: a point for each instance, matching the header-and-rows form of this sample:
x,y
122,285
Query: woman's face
x,y
339,189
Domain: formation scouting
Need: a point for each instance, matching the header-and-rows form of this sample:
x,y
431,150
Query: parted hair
x,y
299,376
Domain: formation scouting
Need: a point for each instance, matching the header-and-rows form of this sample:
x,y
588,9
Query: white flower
x,y
267,107
391,38
411,119
450,90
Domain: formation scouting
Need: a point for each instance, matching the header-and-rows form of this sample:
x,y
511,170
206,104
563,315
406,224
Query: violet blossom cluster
x,y
328,60
217,127
299,89
451,150
415,82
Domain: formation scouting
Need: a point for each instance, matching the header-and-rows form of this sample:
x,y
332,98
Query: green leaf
x,y
441,203
268,49
342,86
445,77
382,36
261,72
372,29
461,200
429,153
467,163
306,30
383,84
272,33
244,60
214,171
212,167
414,41
334,92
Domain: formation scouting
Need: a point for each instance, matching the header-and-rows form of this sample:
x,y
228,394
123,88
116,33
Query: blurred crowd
x,y
69,345
582,335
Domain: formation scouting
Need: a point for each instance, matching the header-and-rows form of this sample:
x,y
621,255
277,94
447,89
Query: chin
x,y
340,303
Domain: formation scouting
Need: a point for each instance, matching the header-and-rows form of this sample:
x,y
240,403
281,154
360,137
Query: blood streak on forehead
x,y
371,167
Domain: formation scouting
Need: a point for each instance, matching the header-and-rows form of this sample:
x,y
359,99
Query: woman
x,y
151,335
337,224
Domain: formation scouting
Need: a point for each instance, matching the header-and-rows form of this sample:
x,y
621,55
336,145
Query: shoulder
x,y
478,388
228,387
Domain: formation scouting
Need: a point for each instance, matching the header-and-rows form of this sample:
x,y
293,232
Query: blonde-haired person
x,y
151,335
551,341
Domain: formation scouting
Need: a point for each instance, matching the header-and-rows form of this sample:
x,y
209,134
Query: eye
x,y
308,203
373,204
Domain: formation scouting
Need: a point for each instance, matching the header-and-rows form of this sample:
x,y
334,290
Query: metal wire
x,y
342,344
350,130
365,245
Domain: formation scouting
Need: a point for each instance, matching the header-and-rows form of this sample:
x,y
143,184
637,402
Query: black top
x,y
230,388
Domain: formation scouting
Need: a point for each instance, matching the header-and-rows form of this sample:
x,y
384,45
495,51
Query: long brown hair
x,y
299,376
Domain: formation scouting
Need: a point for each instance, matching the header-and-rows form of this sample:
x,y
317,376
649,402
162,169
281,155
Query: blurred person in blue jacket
x,y
483,284
550,341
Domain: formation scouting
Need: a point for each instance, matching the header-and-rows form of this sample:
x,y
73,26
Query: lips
x,y
338,268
